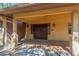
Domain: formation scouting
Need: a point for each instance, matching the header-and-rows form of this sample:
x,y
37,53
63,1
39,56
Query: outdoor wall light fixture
x,y
27,25
53,25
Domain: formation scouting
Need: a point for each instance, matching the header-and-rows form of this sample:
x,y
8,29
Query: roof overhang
x,y
34,7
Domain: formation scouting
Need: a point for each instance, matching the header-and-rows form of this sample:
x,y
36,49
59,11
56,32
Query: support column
x,y
25,33
14,36
5,30
2,37
75,45
14,26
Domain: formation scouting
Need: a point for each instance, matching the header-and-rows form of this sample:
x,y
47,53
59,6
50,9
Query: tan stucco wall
x,y
61,26
61,22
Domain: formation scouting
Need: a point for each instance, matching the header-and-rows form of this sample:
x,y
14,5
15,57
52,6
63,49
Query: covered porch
x,y
55,28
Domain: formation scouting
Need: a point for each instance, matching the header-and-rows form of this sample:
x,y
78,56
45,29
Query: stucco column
x,y
5,30
14,26
25,33
2,37
14,36
75,46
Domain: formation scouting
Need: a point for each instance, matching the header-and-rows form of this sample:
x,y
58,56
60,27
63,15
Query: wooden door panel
x,y
21,27
40,31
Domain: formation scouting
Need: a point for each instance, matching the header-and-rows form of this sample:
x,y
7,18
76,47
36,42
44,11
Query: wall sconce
x,y
27,25
53,25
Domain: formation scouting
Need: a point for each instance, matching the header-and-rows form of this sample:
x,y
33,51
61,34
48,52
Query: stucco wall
x,y
59,32
61,21
61,26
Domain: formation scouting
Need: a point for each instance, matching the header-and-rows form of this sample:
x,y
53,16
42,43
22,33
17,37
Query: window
x,y
70,28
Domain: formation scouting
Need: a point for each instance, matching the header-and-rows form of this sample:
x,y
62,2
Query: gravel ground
x,y
40,52
24,51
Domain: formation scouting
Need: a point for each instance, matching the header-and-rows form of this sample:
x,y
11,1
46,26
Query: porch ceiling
x,y
43,19
47,12
33,19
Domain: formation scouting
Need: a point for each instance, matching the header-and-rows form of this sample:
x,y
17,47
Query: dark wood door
x,y
9,25
21,27
40,31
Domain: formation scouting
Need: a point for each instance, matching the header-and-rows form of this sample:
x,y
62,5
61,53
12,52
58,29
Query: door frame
x,y
48,28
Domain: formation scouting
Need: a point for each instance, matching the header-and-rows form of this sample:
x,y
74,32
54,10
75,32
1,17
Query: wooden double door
x,y
40,31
